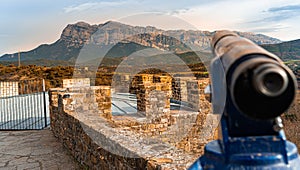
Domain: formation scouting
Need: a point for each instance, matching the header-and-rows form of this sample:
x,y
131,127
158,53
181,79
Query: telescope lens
x,y
273,82
270,80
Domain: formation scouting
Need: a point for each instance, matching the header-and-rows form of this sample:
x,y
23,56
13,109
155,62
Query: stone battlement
x,y
155,137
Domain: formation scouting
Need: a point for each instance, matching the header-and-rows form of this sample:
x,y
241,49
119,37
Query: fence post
x,y
44,99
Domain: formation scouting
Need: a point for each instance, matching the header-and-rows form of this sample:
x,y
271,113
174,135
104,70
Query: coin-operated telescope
x,y
251,88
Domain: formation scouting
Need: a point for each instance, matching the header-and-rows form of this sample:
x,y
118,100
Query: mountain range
x,y
122,40
286,51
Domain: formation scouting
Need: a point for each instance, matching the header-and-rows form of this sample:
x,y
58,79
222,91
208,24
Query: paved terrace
x,y
126,104
33,150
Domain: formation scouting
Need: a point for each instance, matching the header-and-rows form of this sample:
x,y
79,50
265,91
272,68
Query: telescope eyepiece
x,y
270,80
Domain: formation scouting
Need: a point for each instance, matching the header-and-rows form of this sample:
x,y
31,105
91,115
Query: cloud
x,y
79,8
273,19
269,28
179,11
277,14
288,8
93,5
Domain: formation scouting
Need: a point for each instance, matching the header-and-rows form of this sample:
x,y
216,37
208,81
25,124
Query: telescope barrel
x,y
259,84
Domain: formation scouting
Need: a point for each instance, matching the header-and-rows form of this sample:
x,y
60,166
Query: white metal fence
x,y
27,110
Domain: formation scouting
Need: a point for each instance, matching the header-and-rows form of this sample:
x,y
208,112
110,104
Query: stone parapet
x,y
95,98
98,144
156,137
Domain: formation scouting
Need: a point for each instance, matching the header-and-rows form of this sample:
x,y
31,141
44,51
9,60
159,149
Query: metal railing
x,y
23,105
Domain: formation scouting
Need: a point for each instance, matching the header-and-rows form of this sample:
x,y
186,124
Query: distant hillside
x,y
287,50
75,36
38,62
121,51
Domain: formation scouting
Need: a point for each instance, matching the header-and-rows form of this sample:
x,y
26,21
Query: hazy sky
x,y
25,24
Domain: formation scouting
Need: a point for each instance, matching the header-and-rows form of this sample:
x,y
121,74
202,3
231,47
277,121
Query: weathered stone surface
x,y
9,89
33,150
153,94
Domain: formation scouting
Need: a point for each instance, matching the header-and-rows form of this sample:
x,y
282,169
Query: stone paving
x,y
33,150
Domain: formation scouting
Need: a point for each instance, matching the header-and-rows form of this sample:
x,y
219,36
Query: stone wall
x,y
96,99
9,89
179,88
157,139
195,89
98,143
153,94
77,82
75,138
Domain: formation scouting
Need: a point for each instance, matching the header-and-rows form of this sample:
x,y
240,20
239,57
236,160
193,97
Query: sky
x,y
25,24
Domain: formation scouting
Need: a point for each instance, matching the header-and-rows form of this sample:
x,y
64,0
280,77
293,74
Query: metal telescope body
x,y
251,88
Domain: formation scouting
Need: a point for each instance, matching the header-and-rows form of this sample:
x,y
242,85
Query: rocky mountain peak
x,y
76,35
112,32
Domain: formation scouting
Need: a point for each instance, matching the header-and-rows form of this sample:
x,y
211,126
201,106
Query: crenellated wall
x,y
156,138
98,143
79,138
